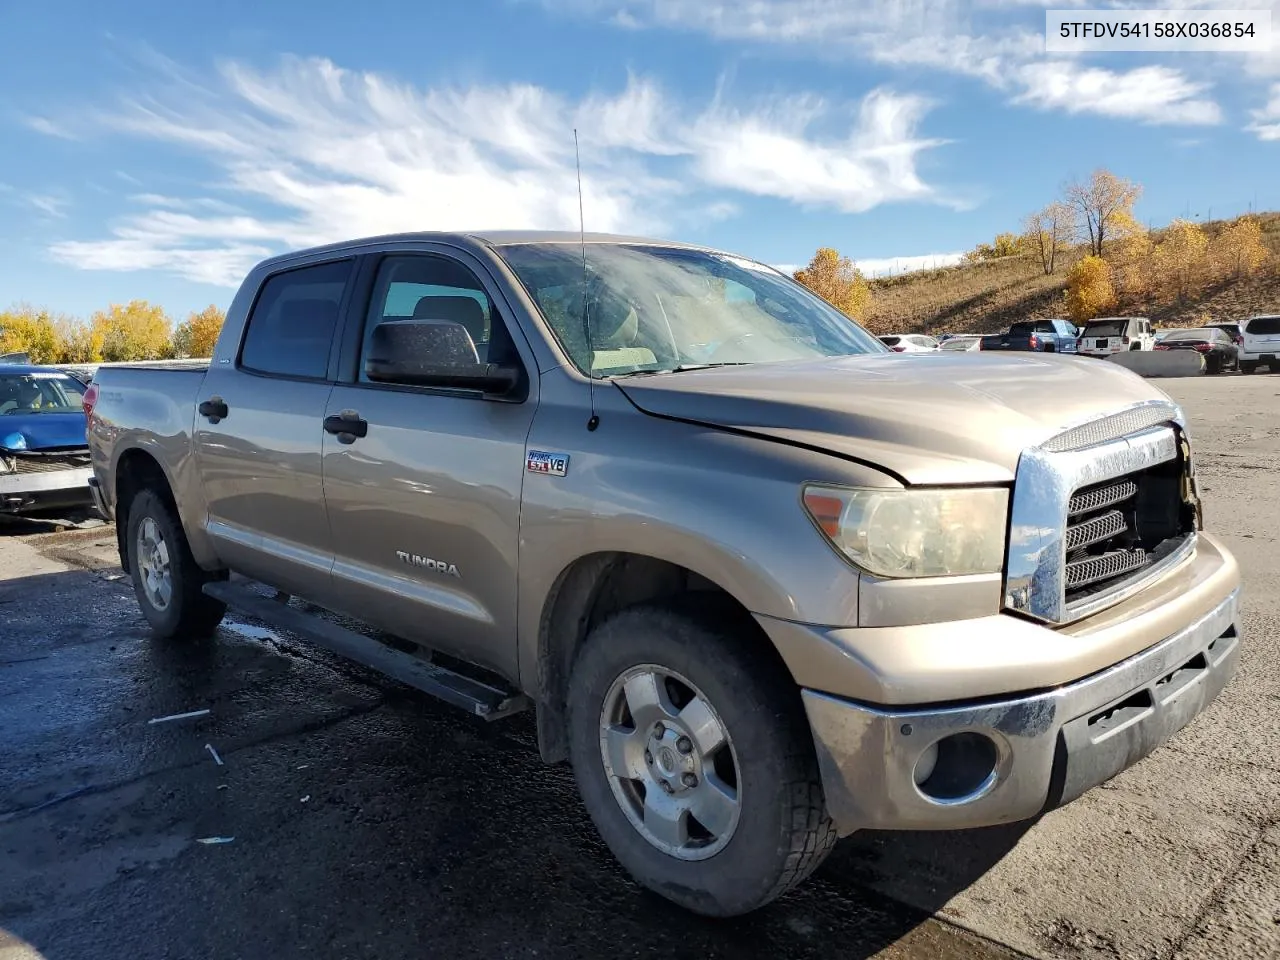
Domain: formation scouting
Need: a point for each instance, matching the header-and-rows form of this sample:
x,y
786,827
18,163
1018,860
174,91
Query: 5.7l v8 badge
x,y
542,461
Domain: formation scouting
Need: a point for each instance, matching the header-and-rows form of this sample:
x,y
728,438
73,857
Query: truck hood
x,y
42,431
927,418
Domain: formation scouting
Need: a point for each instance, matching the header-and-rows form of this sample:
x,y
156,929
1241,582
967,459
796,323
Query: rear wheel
x,y
1248,367
166,578
695,762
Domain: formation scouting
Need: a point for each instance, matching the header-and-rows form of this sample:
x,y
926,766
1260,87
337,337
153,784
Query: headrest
x,y
464,310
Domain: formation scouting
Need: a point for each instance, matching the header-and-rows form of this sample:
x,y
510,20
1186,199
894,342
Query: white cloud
x,y
49,128
1000,42
1266,119
890,266
334,154
1152,94
49,204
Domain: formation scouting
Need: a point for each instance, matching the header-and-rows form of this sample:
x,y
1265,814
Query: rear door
x,y
258,431
425,507
1262,338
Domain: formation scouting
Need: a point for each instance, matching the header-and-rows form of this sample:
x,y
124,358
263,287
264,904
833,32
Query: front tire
x,y
166,578
694,759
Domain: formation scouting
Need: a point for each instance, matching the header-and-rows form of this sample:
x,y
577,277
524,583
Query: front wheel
x,y
166,578
694,759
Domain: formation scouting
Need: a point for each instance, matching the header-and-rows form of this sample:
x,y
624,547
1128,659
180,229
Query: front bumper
x,y
24,492
1045,749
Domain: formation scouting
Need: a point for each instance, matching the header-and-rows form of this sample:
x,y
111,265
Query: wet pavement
x,y
367,820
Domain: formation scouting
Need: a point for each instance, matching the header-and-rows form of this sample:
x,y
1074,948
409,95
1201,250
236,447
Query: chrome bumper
x,y
21,490
1046,749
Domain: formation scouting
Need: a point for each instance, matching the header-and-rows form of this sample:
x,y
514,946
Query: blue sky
x,y
157,150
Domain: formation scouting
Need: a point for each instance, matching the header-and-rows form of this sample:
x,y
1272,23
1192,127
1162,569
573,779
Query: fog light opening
x,y
960,768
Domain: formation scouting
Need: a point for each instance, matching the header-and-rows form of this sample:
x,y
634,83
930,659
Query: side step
x,y
475,697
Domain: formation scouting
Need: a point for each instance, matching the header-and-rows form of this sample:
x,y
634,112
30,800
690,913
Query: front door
x,y
258,433
425,507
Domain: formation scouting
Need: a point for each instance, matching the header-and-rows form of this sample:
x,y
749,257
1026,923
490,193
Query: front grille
x,y
1118,528
49,462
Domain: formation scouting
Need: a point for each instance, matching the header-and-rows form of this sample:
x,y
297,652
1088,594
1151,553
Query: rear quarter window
x,y
1263,326
292,325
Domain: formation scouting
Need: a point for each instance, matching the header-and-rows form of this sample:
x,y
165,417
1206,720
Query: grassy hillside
x,y
986,297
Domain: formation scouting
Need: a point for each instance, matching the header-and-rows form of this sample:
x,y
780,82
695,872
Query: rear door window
x,y
292,325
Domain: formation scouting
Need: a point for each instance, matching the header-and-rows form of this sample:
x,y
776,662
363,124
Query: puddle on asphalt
x,y
249,630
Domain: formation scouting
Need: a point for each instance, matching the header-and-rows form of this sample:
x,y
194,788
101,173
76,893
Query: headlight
x,y
914,533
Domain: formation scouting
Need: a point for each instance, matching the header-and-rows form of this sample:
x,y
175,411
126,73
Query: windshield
x,y
27,393
654,308
1105,328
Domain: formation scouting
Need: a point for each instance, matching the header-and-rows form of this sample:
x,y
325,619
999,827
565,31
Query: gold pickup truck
x,y
763,581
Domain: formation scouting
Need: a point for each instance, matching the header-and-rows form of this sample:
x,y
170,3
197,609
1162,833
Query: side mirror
x,y
434,353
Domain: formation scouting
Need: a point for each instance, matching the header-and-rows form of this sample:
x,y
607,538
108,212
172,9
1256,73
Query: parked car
x,y
1219,350
909,342
44,455
1044,336
1232,329
1260,336
1110,335
761,600
961,343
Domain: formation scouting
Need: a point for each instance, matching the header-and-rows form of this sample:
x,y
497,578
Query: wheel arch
x,y
597,585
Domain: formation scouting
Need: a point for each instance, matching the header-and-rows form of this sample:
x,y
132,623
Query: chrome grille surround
x,y
1046,488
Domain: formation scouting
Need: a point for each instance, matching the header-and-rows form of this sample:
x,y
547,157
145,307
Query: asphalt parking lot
x,y
366,820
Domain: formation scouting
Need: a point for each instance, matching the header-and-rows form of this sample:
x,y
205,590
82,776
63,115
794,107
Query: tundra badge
x,y
439,566
554,464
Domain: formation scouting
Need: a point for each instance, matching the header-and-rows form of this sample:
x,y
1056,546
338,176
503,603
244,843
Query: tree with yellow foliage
x,y
1105,205
196,336
1049,232
838,281
1239,249
136,330
1180,260
1089,290
24,329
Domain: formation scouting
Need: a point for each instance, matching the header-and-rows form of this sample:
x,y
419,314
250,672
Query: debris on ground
x,y
215,839
179,716
216,759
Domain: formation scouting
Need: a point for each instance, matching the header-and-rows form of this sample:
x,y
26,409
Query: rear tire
x,y
766,826
166,578
1246,367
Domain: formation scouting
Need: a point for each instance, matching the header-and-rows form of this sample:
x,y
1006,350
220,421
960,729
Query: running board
x,y
473,696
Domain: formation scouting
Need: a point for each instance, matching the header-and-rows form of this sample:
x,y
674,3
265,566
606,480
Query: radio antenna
x,y
593,421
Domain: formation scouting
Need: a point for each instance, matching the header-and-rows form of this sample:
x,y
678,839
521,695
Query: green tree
x,y
137,330
838,281
1089,291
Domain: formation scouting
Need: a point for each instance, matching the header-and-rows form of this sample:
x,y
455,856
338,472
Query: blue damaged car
x,y
44,457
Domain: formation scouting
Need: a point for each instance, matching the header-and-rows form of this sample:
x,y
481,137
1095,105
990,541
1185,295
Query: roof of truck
x,y
490,238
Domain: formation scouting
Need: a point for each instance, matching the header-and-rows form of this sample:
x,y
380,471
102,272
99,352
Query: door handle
x,y
346,426
213,409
